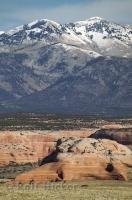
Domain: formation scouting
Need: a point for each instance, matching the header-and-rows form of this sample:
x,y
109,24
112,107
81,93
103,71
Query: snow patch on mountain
x,y
2,32
90,21
95,34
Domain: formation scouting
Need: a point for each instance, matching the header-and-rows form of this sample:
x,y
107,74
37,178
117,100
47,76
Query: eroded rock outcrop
x,y
121,135
82,159
31,146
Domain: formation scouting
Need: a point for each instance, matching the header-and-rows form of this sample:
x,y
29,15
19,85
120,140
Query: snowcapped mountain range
x,y
94,34
81,67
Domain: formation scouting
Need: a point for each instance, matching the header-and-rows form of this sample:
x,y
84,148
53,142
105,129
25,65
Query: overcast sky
x,y
16,12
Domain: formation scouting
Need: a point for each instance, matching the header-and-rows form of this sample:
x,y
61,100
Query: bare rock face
x,y
24,147
82,159
31,146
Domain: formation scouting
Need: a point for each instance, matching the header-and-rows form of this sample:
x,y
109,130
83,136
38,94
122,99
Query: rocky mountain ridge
x,y
94,30
80,67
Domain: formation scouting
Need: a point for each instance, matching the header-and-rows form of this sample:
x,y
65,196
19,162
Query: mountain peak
x,y
42,22
93,30
95,18
42,63
1,32
37,24
91,20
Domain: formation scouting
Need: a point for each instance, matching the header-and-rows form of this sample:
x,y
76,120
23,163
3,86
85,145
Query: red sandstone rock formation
x,y
31,146
82,159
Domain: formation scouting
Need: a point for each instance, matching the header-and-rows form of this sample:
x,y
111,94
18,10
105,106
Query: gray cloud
x,y
115,10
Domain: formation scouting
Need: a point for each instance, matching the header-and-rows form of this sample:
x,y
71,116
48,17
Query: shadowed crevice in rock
x,y
109,167
52,157
60,174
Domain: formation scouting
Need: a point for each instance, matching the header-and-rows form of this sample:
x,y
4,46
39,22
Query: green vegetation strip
x,y
100,190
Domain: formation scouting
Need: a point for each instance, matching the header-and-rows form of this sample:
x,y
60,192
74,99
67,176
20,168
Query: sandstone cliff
x,y
82,159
